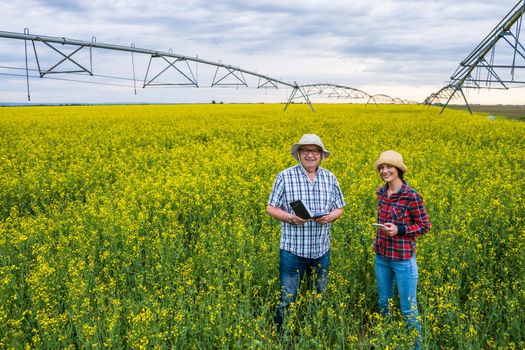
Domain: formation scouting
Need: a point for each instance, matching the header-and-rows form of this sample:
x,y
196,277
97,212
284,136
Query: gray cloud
x,y
62,5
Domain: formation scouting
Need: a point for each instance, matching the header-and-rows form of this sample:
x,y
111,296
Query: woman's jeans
x,y
404,272
292,269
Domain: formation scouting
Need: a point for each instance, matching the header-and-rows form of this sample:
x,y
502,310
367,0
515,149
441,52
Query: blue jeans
x,y
291,270
404,272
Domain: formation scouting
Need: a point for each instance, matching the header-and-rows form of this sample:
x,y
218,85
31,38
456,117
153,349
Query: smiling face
x,y
388,172
310,156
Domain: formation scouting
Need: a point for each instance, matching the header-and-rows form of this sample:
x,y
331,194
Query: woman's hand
x,y
391,229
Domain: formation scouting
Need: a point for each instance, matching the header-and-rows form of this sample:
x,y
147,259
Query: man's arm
x,y
334,215
281,215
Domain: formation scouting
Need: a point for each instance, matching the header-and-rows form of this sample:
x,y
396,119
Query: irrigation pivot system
x,y
494,64
76,57
224,74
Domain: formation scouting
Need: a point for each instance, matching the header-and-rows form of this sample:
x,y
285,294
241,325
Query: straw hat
x,y
309,139
391,158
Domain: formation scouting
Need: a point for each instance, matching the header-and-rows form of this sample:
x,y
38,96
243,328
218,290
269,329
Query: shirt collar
x,y
404,189
300,165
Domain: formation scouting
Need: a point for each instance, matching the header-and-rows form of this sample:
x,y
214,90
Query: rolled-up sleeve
x,y
420,222
277,195
339,201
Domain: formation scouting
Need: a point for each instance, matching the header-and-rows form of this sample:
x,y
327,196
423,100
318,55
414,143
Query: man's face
x,y
310,156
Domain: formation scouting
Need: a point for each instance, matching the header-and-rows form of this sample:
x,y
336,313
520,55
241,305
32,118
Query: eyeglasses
x,y
314,151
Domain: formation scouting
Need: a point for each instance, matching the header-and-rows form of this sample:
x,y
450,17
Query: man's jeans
x,y
292,269
404,272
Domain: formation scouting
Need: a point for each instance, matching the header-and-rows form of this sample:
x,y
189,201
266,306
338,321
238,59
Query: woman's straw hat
x,y
391,158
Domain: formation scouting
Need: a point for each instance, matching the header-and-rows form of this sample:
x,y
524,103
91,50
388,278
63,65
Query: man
x,y
305,244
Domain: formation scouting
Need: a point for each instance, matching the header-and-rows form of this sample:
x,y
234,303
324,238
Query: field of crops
x,y
145,227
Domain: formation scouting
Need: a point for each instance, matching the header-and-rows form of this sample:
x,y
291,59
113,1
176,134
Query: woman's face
x,y
388,172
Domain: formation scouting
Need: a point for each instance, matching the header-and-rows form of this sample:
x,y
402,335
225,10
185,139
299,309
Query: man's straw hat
x,y
309,139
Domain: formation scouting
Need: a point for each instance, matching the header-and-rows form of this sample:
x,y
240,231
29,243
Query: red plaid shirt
x,y
406,210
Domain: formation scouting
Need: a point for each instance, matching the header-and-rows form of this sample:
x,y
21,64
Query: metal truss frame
x,y
297,88
335,91
266,83
192,81
66,58
477,71
341,92
447,93
382,98
238,76
327,90
223,74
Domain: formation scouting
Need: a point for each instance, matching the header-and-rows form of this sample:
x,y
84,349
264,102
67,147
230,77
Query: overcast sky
x,y
403,48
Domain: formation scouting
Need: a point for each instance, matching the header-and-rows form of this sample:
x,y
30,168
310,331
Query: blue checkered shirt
x,y
310,240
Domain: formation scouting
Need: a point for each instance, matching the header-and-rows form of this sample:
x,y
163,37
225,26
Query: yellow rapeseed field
x,y
144,227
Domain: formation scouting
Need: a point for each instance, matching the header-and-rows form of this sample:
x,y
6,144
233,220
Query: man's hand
x,y
296,220
323,220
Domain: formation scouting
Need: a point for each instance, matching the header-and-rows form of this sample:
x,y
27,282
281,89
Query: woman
x,y
404,218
